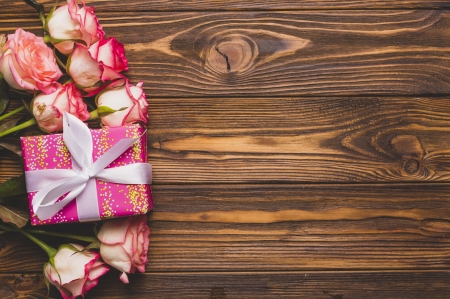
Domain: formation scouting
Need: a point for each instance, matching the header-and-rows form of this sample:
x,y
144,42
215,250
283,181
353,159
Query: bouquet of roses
x,y
71,74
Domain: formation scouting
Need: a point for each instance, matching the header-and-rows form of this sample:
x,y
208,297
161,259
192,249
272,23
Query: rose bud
x,y
27,63
99,66
48,109
70,23
73,271
124,244
122,105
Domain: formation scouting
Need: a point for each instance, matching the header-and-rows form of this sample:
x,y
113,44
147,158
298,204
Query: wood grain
x,y
204,5
281,227
287,53
300,149
291,140
279,140
310,284
211,54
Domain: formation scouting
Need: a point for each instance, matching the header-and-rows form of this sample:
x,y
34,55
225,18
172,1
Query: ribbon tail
x,y
44,202
51,209
38,179
112,154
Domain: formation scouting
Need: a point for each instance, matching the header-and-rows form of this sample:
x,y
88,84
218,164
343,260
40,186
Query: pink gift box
x,y
114,200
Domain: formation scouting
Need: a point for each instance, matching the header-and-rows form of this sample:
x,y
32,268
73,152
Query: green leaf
x,y
11,144
13,186
9,124
14,215
105,110
4,94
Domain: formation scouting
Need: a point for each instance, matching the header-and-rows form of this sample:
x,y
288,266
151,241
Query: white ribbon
x,y
79,182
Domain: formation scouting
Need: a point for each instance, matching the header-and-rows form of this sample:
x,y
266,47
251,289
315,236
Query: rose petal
x,y
124,278
67,263
83,69
97,271
114,231
75,287
116,256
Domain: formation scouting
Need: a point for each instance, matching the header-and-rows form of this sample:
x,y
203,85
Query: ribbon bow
x,y
79,182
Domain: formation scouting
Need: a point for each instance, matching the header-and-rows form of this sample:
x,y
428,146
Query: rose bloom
x,y
27,63
74,273
130,97
48,109
70,23
99,66
124,244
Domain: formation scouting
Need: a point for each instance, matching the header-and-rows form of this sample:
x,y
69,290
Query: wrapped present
x,y
87,175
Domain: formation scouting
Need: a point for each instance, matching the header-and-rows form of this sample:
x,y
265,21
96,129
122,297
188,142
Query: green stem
x,y
94,115
75,237
5,116
19,127
48,249
47,39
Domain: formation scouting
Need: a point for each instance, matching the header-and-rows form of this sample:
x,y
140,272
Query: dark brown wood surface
x,y
228,5
301,149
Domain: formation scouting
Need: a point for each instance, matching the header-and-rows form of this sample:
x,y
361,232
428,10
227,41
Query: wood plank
x,y
319,285
281,227
371,52
232,5
292,140
295,140
287,53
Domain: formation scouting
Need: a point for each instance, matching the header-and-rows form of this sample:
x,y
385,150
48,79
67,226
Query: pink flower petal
x,y
75,287
83,69
124,278
97,271
116,256
114,231
72,265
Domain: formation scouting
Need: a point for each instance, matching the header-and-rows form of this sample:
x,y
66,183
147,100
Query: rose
x,y
70,23
122,105
99,66
74,272
48,109
27,63
124,244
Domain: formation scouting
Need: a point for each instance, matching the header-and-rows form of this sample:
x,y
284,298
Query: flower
x,y
124,244
70,24
74,272
99,66
48,109
123,105
27,63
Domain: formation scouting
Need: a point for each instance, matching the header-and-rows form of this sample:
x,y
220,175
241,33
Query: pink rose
x,y
70,23
128,104
124,244
48,109
27,63
74,272
99,66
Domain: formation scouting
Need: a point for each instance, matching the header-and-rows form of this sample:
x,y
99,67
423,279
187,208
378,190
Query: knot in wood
x,y
232,53
411,166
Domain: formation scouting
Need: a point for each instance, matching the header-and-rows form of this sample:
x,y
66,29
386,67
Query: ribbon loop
x,y
79,182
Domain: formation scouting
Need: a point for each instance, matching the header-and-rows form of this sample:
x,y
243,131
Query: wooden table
x,y
301,149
